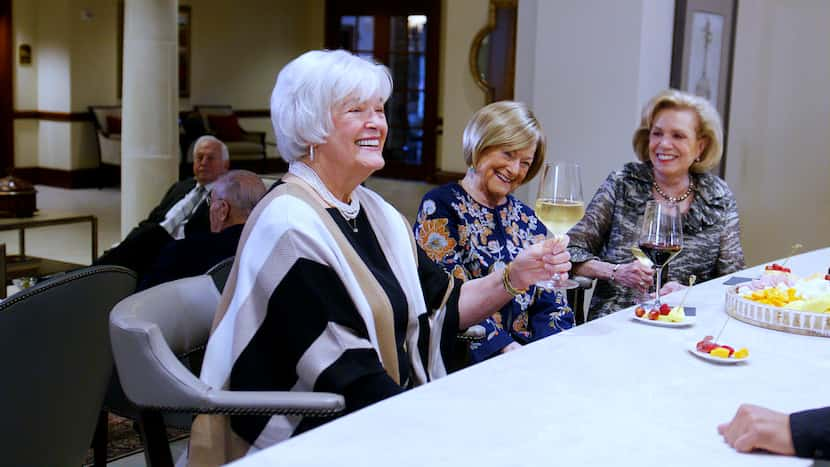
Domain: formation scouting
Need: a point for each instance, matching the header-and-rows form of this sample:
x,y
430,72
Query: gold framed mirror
x,y
493,52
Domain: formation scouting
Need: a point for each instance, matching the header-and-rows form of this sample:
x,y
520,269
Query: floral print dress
x,y
471,240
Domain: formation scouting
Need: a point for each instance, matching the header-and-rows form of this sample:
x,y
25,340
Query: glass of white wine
x,y
559,205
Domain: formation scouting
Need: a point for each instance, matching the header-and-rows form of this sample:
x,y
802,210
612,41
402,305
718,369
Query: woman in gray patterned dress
x,y
679,139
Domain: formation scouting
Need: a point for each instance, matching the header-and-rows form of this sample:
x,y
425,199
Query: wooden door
x,y
6,88
403,35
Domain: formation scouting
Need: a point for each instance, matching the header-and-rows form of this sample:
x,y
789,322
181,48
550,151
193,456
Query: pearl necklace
x,y
349,211
673,199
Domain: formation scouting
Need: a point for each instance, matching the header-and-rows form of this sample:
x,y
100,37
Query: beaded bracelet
x,y
505,281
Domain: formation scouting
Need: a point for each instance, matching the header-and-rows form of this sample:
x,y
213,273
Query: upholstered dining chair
x,y
55,354
148,331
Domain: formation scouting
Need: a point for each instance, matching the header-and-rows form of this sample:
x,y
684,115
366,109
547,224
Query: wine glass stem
x,y
657,289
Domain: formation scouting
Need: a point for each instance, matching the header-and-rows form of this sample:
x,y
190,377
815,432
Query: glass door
x,y
403,35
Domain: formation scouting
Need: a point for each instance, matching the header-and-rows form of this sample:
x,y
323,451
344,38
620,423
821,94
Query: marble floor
x,y
72,242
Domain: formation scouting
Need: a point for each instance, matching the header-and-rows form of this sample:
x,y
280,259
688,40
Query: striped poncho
x,y
311,305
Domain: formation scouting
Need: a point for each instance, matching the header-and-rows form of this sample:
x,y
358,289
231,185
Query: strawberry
x,y
665,309
827,277
653,315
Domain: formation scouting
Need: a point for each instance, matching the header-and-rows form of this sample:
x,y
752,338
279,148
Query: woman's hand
x,y
635,275
758,428
540,262
669,287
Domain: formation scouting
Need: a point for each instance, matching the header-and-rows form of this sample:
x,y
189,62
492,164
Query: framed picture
x,y
183,24
704,39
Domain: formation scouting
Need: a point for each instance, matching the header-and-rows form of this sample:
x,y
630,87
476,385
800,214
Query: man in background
x,y
181,212
231,201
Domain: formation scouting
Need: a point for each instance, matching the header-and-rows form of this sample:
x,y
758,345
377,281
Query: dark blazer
x,y
191,256
142,245
198,222
811,433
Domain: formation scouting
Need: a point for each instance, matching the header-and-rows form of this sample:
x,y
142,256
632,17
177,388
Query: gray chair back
x,y
155,325
150,328
220,272
55,351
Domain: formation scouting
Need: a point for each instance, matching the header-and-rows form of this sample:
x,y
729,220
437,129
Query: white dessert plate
x,y
709,358
687,321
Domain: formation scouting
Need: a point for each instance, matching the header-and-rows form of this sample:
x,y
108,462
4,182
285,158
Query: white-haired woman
x,y
679,139
329,291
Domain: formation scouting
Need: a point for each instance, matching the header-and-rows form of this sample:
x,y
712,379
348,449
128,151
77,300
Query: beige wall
x,y
587,94
237,65
459,96
25,83
75,65
237,50
779,148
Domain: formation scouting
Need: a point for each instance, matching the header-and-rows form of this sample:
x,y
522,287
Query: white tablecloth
x,y
610,392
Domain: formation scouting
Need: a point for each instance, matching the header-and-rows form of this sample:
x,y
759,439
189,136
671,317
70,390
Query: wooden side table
x,y
23,265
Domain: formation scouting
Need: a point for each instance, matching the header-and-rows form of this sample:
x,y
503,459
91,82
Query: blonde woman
x,y
678,140
476,226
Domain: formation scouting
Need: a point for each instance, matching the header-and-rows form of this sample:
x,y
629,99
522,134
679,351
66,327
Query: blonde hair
x,y
506,124
709,126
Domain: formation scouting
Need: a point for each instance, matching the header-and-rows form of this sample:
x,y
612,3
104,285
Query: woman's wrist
x,y
613,274
508,284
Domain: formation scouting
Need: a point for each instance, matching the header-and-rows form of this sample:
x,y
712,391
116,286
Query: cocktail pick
x,y
692,280
795,248
717,338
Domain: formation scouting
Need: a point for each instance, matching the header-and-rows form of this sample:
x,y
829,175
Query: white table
x,y
610,392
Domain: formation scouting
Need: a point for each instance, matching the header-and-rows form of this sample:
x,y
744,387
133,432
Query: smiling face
x,y
673,144
354,148
499,172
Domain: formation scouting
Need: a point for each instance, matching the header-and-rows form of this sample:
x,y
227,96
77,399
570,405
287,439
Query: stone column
x,y
150,147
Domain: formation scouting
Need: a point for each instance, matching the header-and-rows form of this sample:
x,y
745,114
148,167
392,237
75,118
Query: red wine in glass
x,y
660,254
661,236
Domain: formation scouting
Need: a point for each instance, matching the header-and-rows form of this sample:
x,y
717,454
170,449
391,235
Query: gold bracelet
x,y
505,281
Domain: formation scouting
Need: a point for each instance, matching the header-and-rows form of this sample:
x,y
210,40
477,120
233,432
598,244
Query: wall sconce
x,y
25,54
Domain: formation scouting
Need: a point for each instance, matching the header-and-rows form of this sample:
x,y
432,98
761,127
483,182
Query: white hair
x,y
205,139
308,88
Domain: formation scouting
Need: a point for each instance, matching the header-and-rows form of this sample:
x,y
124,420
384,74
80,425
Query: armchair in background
x,y
223,123
107,121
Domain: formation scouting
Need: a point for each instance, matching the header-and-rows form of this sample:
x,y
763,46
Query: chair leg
x,y
154,438
99,440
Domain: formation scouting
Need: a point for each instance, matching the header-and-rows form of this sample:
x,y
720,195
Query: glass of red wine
x,y
661,237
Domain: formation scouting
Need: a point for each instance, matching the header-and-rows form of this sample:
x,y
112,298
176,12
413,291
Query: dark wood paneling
x,y
6,86
52,116
253,113
80,178
441,177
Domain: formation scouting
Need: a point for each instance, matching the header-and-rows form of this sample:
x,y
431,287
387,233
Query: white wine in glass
x,y
559,205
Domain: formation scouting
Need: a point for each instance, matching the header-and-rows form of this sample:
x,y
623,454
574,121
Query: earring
x,y
311,152
697,160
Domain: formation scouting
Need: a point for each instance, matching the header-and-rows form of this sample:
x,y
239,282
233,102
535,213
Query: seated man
x,y
231,200
181,213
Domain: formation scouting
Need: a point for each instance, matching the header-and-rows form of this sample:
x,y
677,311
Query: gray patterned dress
x,y
711,232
